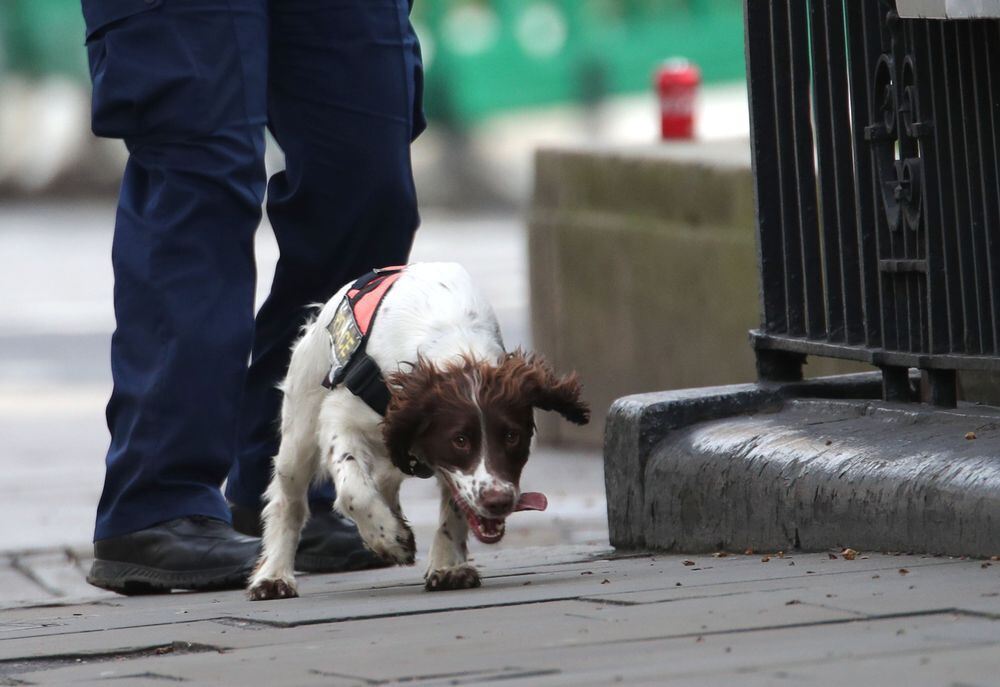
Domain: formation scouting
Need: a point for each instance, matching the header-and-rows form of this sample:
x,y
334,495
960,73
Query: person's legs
x,y
344,104
184,84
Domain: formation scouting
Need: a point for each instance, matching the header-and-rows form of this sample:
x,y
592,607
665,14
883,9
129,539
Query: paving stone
x,y
545,649
736,621
16,587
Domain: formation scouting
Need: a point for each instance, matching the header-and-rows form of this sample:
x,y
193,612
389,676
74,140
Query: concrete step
x,y
761,467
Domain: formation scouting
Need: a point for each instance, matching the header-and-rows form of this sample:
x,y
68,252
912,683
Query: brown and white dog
x,y
459,403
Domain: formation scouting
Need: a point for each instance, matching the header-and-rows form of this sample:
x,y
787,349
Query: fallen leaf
x,y
832,556
969,436
748,552
765,559
904,571
678,584
587,572
995,558
793,602
849,554
875,577
700,639
525,584
605,581
791,562
829,441
984,566
688,563
781,554
719,554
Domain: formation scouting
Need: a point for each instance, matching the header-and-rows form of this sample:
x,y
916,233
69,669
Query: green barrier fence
x,y
483,56
40,37
494,55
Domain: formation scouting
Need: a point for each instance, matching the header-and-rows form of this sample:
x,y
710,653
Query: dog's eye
x,y
511,437
460,441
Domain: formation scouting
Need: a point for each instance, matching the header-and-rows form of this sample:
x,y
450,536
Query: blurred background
x,y
502,76
615,253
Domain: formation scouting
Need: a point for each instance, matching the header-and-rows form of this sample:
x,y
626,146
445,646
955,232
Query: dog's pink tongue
x,y
532,500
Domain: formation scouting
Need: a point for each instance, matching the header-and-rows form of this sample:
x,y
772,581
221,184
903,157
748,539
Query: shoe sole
x,y
131,579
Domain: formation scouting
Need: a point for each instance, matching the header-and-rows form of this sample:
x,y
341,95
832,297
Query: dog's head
x,y
472,421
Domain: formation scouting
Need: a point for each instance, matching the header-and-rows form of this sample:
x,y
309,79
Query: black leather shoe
x,y
195,552
330,543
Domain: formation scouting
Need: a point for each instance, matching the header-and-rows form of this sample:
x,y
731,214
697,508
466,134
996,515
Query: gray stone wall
x,y
643,270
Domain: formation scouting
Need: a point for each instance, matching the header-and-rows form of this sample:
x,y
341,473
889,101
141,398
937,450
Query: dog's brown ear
x,y
407,414
545,390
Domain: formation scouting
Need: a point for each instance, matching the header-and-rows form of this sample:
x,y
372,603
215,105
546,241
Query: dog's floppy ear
x,y
545,390
407,414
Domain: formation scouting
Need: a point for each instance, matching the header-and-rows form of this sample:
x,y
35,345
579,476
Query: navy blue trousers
x,y
190,86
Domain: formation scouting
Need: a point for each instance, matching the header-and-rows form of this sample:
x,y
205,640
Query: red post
x,y
677,82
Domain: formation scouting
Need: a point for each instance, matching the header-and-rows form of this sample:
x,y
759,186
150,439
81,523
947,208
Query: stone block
x,y
643,271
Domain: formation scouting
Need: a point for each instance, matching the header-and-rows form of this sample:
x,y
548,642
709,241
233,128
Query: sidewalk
x,y
565,615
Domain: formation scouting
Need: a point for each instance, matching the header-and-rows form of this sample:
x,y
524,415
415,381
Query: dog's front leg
x,y
287,506
449,567
381,524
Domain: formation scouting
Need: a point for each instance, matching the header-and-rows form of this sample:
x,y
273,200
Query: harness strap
x,y
364,379
359,373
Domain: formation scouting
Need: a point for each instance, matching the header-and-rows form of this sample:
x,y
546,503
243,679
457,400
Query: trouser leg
x,y
344,104
182,84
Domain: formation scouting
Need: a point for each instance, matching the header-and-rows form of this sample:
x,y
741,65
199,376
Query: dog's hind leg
x,y
371,501
449,567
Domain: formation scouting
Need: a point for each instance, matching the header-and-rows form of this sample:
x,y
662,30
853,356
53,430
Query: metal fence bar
x,y
982,154
823,110
784,123
764,162
960,182
943,266
971,196
863,49
840,98
818,314
988,42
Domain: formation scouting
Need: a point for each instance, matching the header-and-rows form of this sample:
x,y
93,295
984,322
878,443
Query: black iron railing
x,y
875,152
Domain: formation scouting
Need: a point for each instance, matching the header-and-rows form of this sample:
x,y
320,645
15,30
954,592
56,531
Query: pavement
x,y
562,615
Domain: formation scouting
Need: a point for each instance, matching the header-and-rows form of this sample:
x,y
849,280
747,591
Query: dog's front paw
x,y
272,588
393,541
457,577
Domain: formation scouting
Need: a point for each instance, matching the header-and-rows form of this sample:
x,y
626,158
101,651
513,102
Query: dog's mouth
x,y
491,530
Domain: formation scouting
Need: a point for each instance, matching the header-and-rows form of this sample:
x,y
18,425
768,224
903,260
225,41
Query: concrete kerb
x,y
760,466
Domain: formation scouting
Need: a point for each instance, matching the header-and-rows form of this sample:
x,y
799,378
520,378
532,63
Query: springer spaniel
x,y
458,403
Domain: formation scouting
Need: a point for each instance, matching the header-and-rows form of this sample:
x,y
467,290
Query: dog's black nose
x,y
497,502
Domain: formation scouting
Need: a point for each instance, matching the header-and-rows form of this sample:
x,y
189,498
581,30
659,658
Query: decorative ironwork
x,y
896,129
874,144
